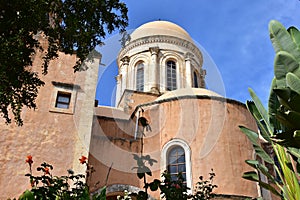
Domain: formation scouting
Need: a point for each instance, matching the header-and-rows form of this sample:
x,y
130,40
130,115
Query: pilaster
x,y
188,69
123,73
154,71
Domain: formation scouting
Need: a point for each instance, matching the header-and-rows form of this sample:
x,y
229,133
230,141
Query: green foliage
x,y
126,196
47,186
170,188
204,188
69,187
69,26
280,125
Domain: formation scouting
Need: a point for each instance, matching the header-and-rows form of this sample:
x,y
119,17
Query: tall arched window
x,y
176,163
171,75
195,80
140,77
176,157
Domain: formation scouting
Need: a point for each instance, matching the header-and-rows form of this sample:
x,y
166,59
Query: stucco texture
x,y
209,125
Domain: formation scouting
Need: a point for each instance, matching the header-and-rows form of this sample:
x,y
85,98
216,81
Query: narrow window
x,y
63,100
195,80
176,163
171,76
140,77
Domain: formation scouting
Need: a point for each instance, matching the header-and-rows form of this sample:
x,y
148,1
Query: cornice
x,y
160,39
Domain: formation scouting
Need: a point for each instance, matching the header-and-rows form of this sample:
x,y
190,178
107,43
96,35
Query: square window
x,y
63,100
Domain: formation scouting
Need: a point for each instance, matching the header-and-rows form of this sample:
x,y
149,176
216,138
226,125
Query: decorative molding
x,y
154,50
125,60
161,39
65,85
188,56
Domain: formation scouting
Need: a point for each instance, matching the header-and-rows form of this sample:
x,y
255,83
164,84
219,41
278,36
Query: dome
x,y
160,28
187,92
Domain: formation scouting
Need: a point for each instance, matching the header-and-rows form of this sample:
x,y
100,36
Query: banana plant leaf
x,y
253,176
253,137
273,105
102,195
295,35
288,98
263,169
284,96
293,82
261,124
260,107
281,39
284,63
288,139
295,153
290,119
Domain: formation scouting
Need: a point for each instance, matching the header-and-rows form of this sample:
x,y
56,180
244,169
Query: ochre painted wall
x,y
208,126
52,137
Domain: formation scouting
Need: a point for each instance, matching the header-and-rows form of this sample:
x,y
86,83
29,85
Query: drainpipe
x,y
137,125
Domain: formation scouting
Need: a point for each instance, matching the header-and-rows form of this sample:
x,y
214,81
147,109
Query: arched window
x,y
176,163
176,157
195,80
140,77
171,75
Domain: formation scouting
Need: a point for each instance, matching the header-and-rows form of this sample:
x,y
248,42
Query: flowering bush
x,y
46,186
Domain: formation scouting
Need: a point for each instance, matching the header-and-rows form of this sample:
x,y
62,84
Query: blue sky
x,y
233,32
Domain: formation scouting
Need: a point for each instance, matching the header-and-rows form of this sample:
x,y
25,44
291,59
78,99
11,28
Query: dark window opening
x,y
171,76
140,77
63,100
176,163
195,80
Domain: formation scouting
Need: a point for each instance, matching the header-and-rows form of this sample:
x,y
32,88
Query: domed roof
x,y
160,28
187,92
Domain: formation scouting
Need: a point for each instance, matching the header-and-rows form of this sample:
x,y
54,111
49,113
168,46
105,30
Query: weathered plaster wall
x,y
58,138
208,126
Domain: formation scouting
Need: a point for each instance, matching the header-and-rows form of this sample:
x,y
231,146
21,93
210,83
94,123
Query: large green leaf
x,y
270,188
282,40
288,98
253,137
294,101
284,62
102,195
27,195
260,108
263,169
290,119
253,176
273,105
288,139
293,82
283,95
295,35
262,126
291,189
295,152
